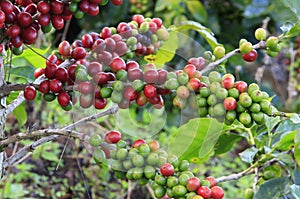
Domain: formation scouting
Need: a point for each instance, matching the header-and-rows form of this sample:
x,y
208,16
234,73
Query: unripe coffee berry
x,y
260,34
219,52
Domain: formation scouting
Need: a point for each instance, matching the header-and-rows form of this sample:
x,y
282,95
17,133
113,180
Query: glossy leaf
x,y
287,125
285,141
166,52
271,123
197,10
248,154
34,56
25,72
297,146
285,158
226,142
273,188
20,114
205,32
297,176
196,138
293,31
295,189
293,5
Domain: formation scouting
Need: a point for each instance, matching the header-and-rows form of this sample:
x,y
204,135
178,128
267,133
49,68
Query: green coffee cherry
x,y
219,52
245,47
95,140
260,34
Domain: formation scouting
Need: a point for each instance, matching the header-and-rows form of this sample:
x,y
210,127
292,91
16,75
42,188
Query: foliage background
x,y
77,175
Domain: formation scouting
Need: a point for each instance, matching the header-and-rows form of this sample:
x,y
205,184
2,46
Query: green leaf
x,y
127,122
33,56
295,190
271,122
297,146
287,125
49,155
166,52
293,5
295,118
286,158
248,154
197,10
297,176
23,72
20,114
273,188
226,142
285,142
291,30
205,32
196,138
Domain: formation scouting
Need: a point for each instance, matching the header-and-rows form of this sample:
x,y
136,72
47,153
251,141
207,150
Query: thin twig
x,y
31,147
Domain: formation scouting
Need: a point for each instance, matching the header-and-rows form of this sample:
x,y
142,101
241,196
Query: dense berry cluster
x,y
98,62
148,163
23,19
225,98
141,7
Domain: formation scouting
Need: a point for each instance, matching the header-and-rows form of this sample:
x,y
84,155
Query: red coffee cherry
x,y
138,18
29,35
24,19
190,70
117,64
13,31
29,93
129,93
151,76
50,71
38,72
55,85
85,87
100,103
193,184
44,86
57,7
229,103
217,192
211,180
117,2
57,22
43,7
251,56
87,41
241,86
150,91
64,48
138,142
63,98
204,191
167,169
228,81
62,74
113,137
78,53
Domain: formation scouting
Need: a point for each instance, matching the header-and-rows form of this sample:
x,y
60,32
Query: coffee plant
x,y
123,69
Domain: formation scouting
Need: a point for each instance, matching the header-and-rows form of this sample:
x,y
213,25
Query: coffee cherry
x,y
260,34
183,92
95,140
151,76
85,87
241,86
63,98
204,191
246,47
150,91
61,74
230,103
86,100
78,53
117,64
245,118
190,70
251,56
249,193
245,100
211,180
219,52
228,81
55,85
138,142
193,184
64,48
217,192
272,43
113,137
167,169
29,93
149,172
100,103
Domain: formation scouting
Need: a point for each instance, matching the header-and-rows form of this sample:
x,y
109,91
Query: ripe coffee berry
x,y
100,103
55,85
211,180
138,142
44,86
117,64
78,53
167,169
38,72
204,191
113,137
229,103
29,93
251,56
217,192
150,91
63,98
193,184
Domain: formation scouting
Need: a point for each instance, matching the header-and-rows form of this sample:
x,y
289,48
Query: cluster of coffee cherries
x,y
98,62
145,162
90,7
23,19
272,45
224,98
141,7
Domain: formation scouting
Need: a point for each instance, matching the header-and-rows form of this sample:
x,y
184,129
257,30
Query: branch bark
x,y
3,113
31,147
